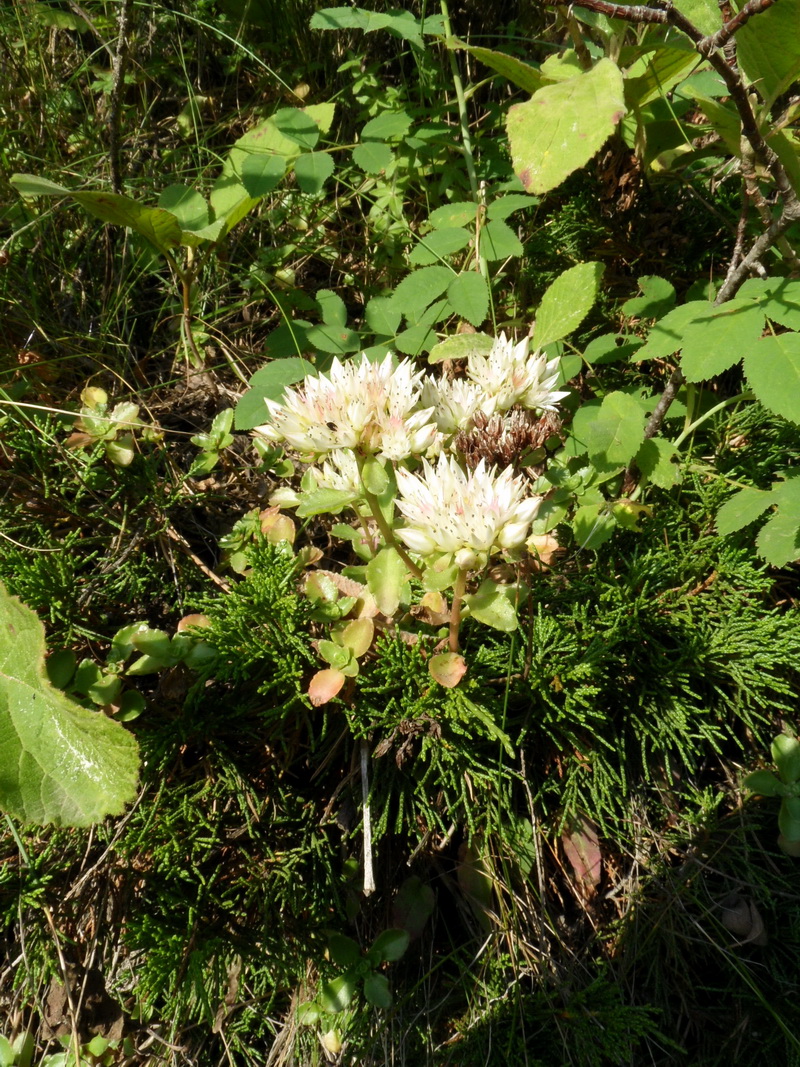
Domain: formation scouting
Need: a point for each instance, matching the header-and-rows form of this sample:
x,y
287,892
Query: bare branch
x,y
723,35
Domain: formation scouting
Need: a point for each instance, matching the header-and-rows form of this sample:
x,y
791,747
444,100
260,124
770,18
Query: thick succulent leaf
x,y
61,763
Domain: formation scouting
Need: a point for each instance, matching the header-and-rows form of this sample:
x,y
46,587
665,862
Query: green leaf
x,y
764,783
383,316
779,539
786,753
705,14
459,213
415,340
420,288
230,201
344,950
374,476
511,68
498,241
616,434
376,990
186,204
469,296
593,525
491,606
324,502
789,818
658,297
332,307
336,340
297,126
269,383
386,576
61,763
666,336
433,246
782,301
772,368
336,995
507,205
260,173
413,905
741,509
401,24
717,339
563,125
768,47
461,346
312,170
390,945
389,125
567,302
668,66
655,459
373,156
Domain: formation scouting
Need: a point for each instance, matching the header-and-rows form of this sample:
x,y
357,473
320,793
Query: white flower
x,y
448,510
508,376
454,403
372,408
339,471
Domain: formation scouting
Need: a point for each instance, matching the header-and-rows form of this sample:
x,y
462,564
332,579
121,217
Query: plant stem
x,y
455,611
386,531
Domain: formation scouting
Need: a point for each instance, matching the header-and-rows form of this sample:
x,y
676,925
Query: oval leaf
x,y
448,669
324,687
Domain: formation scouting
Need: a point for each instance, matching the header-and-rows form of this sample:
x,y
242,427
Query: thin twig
x,y
724,34
118,66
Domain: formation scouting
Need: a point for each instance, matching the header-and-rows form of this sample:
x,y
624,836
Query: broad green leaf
x,y
386,576
764,783
469,296
61,763
563,125
782,301
373,156
616,433
157,226
344,950
786,753
357,636
507,205
324,502
561,66
705,14
312,170
336,995
772,368
433,246
261,172
778,541
460,213
294,123
718,338
611,347
230,201
420,288
387,126
447,668
666,335
491,606
390,945
567,302
322,114
186,204
514,70
414,340
669,65
374,476
269,383
768,47
498,241
382,315
655,459
658,297
461,346
336,340
401,23
593,525
332,307
741,509
789,818
376,990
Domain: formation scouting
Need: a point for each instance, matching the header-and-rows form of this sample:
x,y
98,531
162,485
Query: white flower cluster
x,y
362,408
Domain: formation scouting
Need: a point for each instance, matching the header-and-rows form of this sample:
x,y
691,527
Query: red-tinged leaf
x,y
448,669
582,849
325,685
